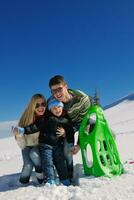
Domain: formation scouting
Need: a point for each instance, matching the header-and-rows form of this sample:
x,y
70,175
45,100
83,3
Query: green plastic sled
x,y
105,156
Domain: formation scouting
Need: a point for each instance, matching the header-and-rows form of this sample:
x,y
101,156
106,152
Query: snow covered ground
x,y
120,118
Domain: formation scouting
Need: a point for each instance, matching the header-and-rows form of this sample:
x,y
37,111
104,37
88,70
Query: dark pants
x,y
69,158
53,156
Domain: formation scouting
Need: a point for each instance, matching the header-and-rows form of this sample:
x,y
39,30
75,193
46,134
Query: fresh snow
x,y
120,118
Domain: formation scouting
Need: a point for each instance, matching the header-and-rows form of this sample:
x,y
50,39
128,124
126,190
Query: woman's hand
x,y
61,132
17,130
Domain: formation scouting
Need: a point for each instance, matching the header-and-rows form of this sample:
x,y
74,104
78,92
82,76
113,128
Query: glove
x,y
19,130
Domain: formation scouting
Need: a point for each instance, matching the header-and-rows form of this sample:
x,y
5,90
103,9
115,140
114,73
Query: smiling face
x,y
57,110
60,92
40,107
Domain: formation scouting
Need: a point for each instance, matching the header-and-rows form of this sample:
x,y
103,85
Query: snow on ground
x,y
116,188
89,188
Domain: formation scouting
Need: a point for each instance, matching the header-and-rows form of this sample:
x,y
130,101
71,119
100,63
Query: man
x,y
76,103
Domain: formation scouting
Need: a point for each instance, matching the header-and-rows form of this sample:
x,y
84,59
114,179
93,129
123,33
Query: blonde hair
x,y
28,115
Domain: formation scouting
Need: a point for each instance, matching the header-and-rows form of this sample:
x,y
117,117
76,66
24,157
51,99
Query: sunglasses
x,y
59,89
40,105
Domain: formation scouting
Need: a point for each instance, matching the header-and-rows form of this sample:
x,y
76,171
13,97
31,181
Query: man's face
x,y
59,91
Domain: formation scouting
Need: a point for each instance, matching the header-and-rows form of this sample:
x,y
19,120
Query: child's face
x,y
57,110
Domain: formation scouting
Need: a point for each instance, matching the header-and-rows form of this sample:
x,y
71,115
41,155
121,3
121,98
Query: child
x,y
53,129
29,143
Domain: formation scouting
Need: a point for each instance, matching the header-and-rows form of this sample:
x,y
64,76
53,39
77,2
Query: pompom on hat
x,y
54,102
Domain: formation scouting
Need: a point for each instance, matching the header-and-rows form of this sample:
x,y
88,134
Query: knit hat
x,y
54,102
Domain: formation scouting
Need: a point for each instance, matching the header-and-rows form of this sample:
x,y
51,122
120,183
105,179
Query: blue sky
x,y
90,43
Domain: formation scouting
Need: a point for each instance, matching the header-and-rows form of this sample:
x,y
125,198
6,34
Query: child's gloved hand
x,y
18,130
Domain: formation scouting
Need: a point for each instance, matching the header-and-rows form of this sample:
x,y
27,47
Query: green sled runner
x,y
99,138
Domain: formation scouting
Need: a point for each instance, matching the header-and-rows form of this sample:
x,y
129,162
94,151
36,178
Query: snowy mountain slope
x,y
129,97
121,116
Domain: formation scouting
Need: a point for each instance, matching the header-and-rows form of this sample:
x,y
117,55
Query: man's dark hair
x,y
55,80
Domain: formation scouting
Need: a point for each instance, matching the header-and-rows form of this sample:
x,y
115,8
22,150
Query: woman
x,y
29,143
